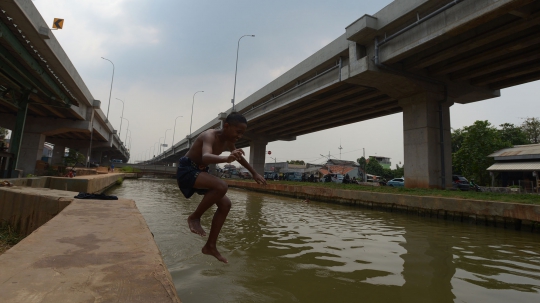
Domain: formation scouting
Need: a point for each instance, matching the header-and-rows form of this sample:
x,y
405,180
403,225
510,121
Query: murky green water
x,y
284,250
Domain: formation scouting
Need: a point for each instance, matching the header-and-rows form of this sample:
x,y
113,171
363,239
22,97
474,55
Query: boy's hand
x,y
236,155
259,179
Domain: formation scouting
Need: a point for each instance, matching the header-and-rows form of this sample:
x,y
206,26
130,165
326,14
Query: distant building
x,y
343,167
383,161
517,165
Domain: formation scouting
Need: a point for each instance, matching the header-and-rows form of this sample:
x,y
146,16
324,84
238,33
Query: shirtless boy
x,y
192,176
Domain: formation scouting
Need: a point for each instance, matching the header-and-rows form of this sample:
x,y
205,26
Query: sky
x,y
164,51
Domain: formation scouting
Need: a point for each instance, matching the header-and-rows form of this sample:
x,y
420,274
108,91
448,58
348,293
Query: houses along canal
x,y
284,250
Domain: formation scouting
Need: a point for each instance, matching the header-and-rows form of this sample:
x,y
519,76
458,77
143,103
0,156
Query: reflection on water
x,y
284,250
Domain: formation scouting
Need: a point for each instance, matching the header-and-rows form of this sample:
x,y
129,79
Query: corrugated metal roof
x,y
515,166
518,150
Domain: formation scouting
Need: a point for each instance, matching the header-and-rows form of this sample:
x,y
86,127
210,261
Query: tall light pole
x,y
236,69
110,92
201,91
165,140
121,118
126,130
159,146
174,131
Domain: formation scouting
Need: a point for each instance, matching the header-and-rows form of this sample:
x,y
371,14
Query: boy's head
x,y
235,126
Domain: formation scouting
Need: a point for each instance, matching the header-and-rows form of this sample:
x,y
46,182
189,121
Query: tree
x,y
298,162
531,128
480,140
362,162
399,172
513,134
74,157
457,139
373,167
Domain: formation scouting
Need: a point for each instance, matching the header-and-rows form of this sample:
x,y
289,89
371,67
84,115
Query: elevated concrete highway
x,y
42,96
417,57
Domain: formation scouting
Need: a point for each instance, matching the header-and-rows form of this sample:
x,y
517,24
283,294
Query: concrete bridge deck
x,y
42,96
416,57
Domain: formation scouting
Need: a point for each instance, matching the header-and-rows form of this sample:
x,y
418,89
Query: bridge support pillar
x,y
31,150
422,141
257,155
58,154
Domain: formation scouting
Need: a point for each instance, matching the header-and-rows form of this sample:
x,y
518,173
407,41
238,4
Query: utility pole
x,y
340,148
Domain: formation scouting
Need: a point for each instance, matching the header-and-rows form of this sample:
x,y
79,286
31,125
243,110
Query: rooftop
x,y
518,152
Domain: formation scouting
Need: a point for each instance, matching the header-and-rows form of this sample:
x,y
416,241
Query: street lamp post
x,y
165,140
201,91
159,146
174,131
236,69
121,118
126,130
110,92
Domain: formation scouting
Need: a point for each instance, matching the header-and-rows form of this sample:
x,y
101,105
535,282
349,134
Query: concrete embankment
x,y
92,251
502,214
34,201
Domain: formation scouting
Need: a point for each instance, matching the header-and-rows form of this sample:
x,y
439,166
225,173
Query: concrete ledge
x,y
26,209
486,211
88,183
93,251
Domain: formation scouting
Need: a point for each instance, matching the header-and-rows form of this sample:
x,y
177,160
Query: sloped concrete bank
x,y
498,214
87,251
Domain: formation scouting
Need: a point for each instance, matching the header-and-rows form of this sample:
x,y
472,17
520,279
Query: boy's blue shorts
x,y
186,174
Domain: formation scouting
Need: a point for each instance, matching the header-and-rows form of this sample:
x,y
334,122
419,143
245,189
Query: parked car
x,y
396,182
269,175
460,183
336,178
292,176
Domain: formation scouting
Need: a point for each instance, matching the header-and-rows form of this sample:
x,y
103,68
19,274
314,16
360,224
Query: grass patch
x,y
129,169
8,238
469,195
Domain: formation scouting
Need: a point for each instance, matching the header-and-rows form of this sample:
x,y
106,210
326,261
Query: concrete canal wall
x,y
502,214
34,201
92,251
79,250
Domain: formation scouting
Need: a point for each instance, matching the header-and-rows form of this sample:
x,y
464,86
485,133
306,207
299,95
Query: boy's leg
x,y
216,190
223,207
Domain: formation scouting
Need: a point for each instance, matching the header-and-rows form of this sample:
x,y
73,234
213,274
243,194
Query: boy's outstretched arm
x,y
239,153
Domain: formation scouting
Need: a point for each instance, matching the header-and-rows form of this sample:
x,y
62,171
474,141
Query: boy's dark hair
x,y
235,118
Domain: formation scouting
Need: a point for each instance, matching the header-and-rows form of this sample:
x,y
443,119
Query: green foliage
x,y
479,140
362,162
531,128
298,162
399,172
457,139
119,181
8,237
513,134
3,133
74,157
129,169
373,167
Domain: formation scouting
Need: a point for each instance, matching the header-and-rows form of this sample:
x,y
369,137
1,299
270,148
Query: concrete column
x,y
58,154
421,131
257,155
31,151
96,156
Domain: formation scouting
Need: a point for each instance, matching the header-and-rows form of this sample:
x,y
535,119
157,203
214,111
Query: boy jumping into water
x,y
192,176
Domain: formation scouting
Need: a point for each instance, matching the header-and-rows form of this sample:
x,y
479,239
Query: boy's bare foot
x,y
195,226
207,250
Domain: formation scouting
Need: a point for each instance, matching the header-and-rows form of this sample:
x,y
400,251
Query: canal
x,y
284,250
